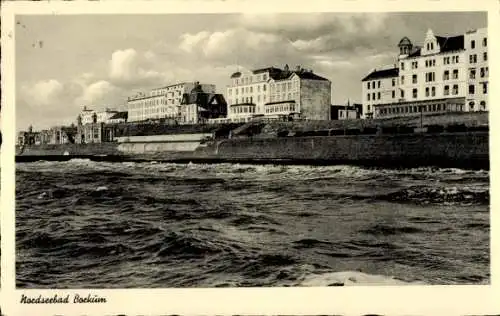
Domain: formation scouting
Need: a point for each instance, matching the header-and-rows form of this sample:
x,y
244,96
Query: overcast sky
x,y
65,62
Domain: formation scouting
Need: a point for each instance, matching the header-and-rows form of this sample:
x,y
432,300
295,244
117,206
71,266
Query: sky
x,y
64,62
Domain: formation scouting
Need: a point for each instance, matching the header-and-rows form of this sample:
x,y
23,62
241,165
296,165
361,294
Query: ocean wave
x,y
352,278
167,225
382,229
434,195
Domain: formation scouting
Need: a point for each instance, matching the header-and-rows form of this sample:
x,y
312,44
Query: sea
x,y
87,224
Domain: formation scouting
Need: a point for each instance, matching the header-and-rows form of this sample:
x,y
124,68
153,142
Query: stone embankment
x,y
453,122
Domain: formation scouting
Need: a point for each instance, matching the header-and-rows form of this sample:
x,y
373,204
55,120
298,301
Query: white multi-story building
x,y
161,102
476,43
274,92
445,74
88,116
379,87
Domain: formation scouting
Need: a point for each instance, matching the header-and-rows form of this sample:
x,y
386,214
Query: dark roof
x,y
202,98
404,41
415,52
197,89
309,75
279,102
386,73
267,69
246,103
280,74
452,43
119,115
303,74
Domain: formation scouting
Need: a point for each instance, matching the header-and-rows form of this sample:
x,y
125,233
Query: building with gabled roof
x,y
445,74
200,107
276,93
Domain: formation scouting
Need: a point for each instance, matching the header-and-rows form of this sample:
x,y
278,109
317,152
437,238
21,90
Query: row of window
x,y
413,109
431,91
432,62
160,92
249,80
244,100
454,60
283,86
473,58
414,64
483,72
151,111
473,43
431,76
377,84
284,97
243,90
373,96
280,108
154,102
440,107
372,84
472,88
242,109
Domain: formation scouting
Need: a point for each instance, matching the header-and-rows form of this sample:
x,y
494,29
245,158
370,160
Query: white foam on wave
x,y
80,160
352,278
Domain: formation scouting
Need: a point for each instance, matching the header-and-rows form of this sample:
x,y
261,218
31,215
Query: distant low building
x,y
118,117
62,134
53,135
346,112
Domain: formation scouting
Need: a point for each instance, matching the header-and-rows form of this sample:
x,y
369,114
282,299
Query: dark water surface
x,y
108,225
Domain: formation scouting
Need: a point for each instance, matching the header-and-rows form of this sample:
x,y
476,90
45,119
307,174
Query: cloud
x,y
97,93
189,41
128,67
297,26
44,92
239,46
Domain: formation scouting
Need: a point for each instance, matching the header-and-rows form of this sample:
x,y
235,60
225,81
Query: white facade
x,y
249,87
380,89
162,102
476,43
432,75
274,92
87,116
445,74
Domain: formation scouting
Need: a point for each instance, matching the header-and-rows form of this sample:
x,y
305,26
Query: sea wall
x,y
468,150
467,119
157,147
164,138
458,149
69,149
